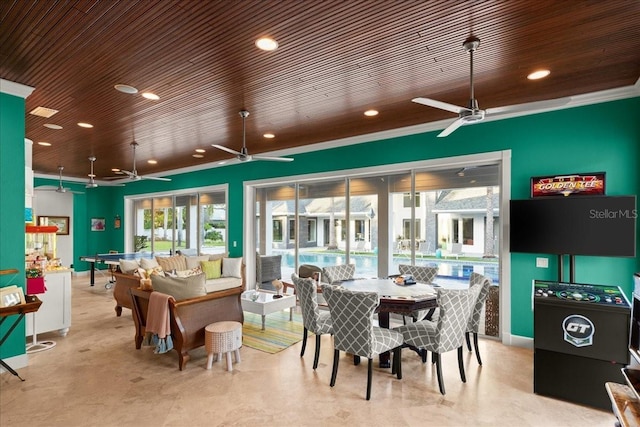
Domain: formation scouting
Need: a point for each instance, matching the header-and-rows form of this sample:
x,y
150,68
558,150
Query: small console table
x,y
31,305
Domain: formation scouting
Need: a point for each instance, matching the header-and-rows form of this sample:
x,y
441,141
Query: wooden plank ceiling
x,y
335,60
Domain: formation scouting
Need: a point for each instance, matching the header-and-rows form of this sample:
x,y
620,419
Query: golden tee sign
x,y
580,184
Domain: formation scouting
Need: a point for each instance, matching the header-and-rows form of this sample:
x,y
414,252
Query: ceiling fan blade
x,y
155,178
453,126
529,106
228,150
273,159
439,104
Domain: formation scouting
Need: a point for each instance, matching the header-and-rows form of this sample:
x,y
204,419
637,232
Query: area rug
x,y
279,332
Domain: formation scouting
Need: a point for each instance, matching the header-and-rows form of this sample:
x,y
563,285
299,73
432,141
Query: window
x,y
292,229
311,229
406,200
464,236
406,230
190,222
277,230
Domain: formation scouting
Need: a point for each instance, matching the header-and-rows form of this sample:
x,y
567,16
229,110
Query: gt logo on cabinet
x,y
578,330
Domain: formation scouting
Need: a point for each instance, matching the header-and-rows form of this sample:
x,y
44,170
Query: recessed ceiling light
x,y
44,144
266,43
200,150
126,89
540,74
43,112
152,162
151,96
198,156
115,170
85,125
269,135
91,175
52,126
222,162
371,113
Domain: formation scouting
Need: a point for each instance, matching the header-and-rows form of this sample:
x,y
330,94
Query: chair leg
x,y
438,362
475,345
369,373
334,372
317,355
356,360
461,365
423,355
397,362
304,342
466,337
434,356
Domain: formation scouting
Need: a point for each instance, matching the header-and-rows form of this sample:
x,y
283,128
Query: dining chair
x,y
422,274
354,331
447,333
337,273
312,318
474,321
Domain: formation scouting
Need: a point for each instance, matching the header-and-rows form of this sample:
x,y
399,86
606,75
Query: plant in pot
x,y
140,243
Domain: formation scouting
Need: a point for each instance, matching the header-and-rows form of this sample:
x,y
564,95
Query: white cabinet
x,y
55,312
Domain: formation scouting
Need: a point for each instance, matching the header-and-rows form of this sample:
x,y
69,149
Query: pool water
x,y
367,265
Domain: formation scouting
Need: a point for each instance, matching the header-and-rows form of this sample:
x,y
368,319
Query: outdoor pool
x,y
367,265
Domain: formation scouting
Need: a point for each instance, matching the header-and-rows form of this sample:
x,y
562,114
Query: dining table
x,y
394,298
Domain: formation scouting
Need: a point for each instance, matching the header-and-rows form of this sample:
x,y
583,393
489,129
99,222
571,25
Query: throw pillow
x,y
128,266
212,269
180,287
149,263
194,261
176,262
188,273
214,257
232,267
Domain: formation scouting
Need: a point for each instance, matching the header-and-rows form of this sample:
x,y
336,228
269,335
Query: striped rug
x,y
279,332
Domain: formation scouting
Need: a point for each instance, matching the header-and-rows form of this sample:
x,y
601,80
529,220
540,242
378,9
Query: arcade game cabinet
x,y
581,340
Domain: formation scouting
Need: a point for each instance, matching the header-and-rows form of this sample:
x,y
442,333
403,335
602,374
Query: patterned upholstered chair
x,y
354,332
337,273
447,333
474,320
312,318
422,274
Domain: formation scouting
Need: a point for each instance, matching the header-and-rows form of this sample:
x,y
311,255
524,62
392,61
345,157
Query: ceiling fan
x,y
60,188
133,174
92,182
243,154
472,113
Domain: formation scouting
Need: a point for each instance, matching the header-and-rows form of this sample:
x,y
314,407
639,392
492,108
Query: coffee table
x,y
265,303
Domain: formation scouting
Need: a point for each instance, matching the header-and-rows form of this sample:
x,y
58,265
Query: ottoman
x,y
221,338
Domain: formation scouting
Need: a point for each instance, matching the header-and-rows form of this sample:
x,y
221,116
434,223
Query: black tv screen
x,y
598,226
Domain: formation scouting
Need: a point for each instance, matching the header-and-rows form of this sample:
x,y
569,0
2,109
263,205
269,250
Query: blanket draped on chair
x,y
158,327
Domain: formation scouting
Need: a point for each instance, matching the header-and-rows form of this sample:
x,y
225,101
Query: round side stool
x,y
221,338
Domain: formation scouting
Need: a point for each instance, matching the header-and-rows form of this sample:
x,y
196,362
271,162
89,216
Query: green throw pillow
x,y
212,269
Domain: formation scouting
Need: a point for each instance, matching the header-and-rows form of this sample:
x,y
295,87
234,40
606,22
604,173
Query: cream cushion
x,y
149,263
222,283
180,287
128,266
194,261
232,267
176,262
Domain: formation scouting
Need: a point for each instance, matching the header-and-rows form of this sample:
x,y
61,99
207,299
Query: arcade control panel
x,y
596,294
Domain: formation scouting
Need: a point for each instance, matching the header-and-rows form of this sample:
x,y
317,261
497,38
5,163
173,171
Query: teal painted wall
x,y
603,137
12,177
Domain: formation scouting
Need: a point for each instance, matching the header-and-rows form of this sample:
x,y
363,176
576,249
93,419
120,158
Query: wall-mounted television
x,y
598,226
